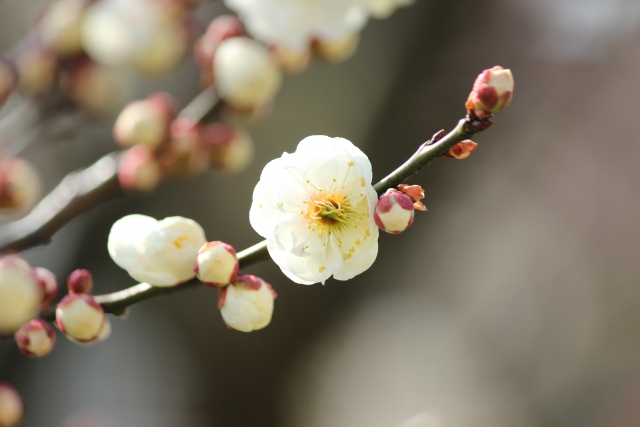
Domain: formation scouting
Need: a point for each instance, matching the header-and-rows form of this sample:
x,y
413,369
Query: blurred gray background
x,y
513,302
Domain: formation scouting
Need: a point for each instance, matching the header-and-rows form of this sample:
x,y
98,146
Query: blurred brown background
x,y
513,302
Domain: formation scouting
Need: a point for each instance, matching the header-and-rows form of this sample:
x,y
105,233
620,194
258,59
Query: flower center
x,y
332,210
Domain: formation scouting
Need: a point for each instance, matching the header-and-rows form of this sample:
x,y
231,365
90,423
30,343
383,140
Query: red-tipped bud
x,y
415,193
36,338
80,317
139,170
220,29
48,284
8,79
217,264
80,282
461,150
247,304
338,50
394,212
492,92
20,186
11,406
144,122
231,147
20,294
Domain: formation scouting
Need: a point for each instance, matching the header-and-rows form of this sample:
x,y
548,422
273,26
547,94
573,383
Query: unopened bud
x,y
394,212
11,406
461,150
80,317
415,193
492,92
220,29
8,79
291,61
142,122
217,264
36,338
20,185
94,87
165,50
338,50
48,284
61,26
80,282
139,170
37,70
247,304
232,148
186,154
246,74
20,294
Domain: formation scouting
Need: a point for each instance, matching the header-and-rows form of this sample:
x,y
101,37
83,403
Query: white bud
x,y
20,294
161,253
20,186
11,406
143,123
246,74
394,212
247,304
36,338
48,284
338,50
80,317
291,60
217,264
61,26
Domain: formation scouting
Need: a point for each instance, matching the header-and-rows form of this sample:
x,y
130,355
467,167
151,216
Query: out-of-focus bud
x,y
394,212
139,170
48,284
246,75
61,26
247,304
8,79
37,70
164,52
337,50
11,406
144,123
231,147
291,61
220,29
186,154
492,92
20,185
217,264
20,294
415,193
80,282
381,9
36,338
461,150
80,317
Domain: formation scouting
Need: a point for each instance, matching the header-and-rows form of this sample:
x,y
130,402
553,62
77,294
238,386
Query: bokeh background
x,y
513,302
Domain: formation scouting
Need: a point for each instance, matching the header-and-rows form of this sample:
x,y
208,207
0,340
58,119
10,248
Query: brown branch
x,y
81,191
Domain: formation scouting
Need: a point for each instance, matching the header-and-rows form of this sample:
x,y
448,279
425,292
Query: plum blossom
x,y
315,208
160,253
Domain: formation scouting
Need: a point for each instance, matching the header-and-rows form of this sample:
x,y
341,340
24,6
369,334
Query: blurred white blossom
x,y
384,8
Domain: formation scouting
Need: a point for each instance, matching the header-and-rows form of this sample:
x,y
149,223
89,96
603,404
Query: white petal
x,y
126,238
351,269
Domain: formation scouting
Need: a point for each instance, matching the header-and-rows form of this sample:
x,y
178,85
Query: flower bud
x,y
36,338
246,74
20,186
247,304
186,154
61,26
231,147
20,294
461,150
165,50
394,212
11,406
139,170
338,50
220,29
492,92
8,79
142,122
80,317
48,284
290,60
80,282
37,70
217,264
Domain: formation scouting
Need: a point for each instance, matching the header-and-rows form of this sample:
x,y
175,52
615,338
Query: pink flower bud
x,y
139,170
247,304
220,29
11,406
36,338
20,186
337,50
144,123
80,282
8,79
37,70
20,294
461,150
80,317
217,264
48,284
231,147
492,92
394,212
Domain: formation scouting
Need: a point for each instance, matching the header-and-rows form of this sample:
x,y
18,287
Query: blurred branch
x,y
118,302
81,191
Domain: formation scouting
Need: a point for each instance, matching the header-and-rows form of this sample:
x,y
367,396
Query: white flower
x,y
247,304
161,253
295,23
384,8
20,294
315,208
